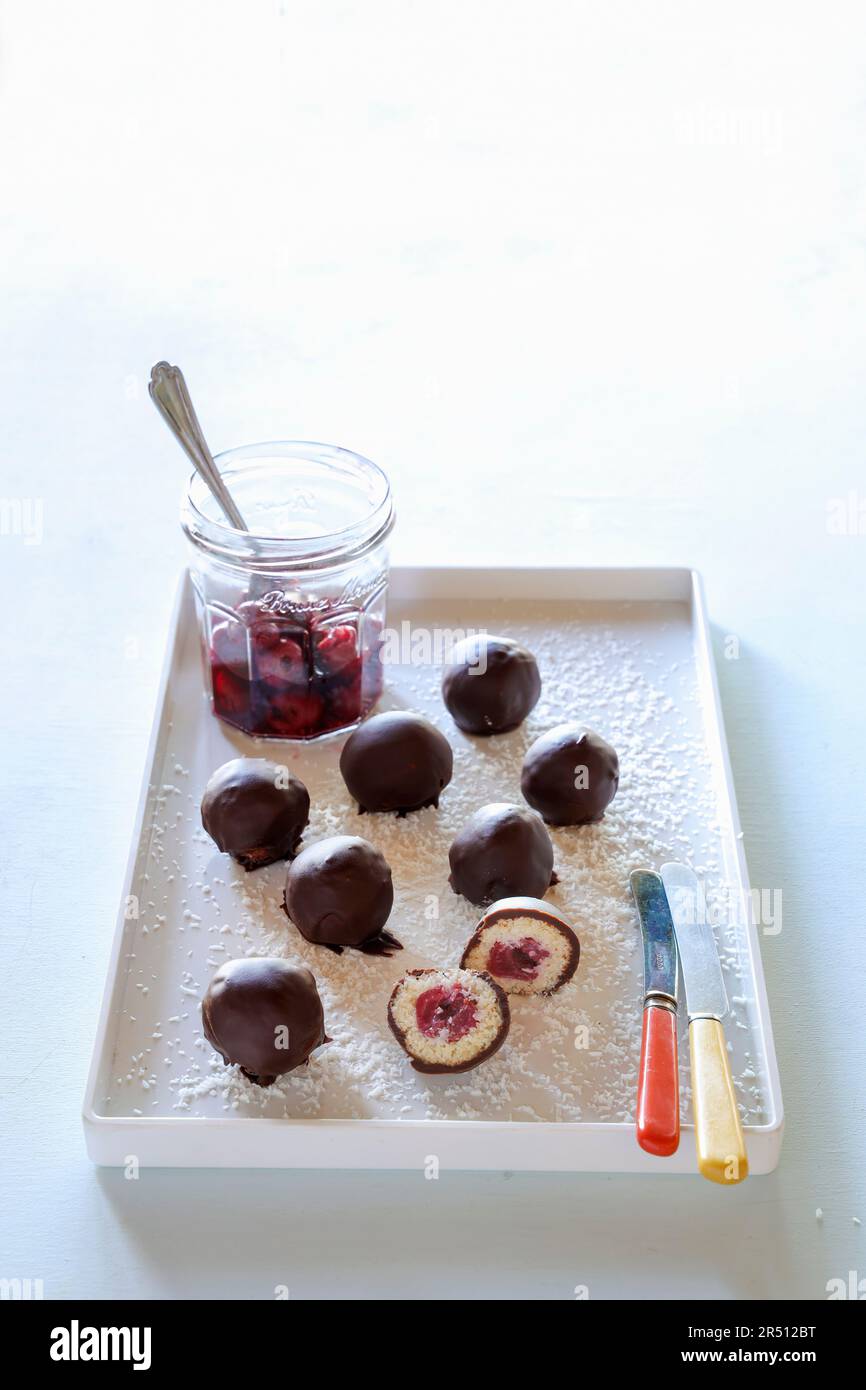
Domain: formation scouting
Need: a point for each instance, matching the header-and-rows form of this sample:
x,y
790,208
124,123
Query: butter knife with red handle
x,y
657,1122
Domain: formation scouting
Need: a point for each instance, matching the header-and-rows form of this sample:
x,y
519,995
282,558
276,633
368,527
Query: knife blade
x,y
706,996
719,1139
657,1121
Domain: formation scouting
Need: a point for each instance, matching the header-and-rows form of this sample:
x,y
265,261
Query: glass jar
x,y
291,612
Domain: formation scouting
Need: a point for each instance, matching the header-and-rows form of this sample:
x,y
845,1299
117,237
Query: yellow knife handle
x,y
718,1133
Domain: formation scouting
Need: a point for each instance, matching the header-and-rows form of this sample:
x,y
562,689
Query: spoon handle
x,y
169,393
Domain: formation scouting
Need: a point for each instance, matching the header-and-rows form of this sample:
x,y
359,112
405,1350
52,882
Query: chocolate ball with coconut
x,y
570,775
263,1014
448,1020
525,945
339,893
501,852
397,762
255,810
490,684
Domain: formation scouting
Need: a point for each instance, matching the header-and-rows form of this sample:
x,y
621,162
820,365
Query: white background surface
x,y
589,282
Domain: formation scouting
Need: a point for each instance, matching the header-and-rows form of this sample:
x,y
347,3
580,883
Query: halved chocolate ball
x,y
526,946
501,851
490,684
263,1014
396,762
448,1020
255,810
570,775
339,893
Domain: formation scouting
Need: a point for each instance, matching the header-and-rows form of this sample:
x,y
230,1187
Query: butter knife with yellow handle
x,y
718,1133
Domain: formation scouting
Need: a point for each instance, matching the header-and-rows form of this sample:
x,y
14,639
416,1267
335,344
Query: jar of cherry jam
x,y
292,611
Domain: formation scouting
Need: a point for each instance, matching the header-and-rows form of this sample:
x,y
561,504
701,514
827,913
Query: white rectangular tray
x,y
629,652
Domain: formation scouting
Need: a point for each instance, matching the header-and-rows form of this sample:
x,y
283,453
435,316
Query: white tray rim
x,y
112,1141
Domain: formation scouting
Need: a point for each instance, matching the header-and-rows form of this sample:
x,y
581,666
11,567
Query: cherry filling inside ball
x,y
448,1020
517,960
449,1011
525,945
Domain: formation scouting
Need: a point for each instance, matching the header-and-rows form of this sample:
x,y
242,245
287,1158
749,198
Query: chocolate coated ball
x,y
570,775
503,851
339,893
255,810
263,1014
490,684
396,762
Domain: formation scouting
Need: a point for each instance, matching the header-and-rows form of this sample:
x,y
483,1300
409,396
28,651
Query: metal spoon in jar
x,y
169,393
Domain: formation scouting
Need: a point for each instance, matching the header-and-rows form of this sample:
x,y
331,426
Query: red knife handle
x,y
658,1091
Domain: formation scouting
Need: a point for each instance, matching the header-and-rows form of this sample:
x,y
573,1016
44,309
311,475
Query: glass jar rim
x,y
252,550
